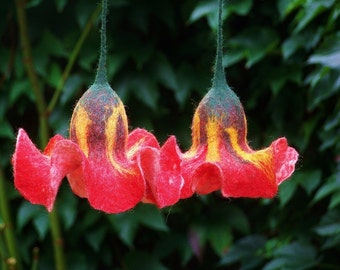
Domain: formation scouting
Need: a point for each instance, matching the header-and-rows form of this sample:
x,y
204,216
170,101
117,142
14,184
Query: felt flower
x,y
120,169
220,158
113,169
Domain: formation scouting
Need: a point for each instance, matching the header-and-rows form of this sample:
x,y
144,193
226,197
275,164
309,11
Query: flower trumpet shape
x,y
120,169
114,170
220,157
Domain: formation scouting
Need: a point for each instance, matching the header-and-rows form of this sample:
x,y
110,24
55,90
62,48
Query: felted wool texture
x,y
111,181
38,175
162,173
220,157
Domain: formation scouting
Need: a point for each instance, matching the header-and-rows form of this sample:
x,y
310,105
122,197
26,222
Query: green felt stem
x,y
219,80
72,59
101,76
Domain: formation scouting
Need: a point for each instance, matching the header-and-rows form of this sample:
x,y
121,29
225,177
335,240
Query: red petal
x,y
38,176
189,165
139,138
112,191
285,158
244,179
162,173
207,178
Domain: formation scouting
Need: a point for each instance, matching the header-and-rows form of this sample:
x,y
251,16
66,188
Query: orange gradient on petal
x,y
111,132
81,123
213,141
262,159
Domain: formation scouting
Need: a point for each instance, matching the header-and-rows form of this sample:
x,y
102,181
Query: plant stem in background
x,y
72,59
28,62
8,228
43,123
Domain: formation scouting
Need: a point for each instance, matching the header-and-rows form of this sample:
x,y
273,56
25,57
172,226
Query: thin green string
x,y
101,76
219,80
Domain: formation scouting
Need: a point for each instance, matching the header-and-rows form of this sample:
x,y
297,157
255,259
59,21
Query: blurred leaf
x,y
256,42
203,9
208,9
54,75
311,10
72,85
44,47
127,223
293,256
335,200
136,260
26,213
237,219
42,224
325,83
165,73
67,207
115,63
287,6
286,191
150,216
329,53
95,238
6,131
33,3
126,226
309,180
245,251
146,90
60,4
305,39
220,238
331,186
20,88
240,7
84,10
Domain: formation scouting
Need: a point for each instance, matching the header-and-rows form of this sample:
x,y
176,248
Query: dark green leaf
x,y
136,260
293,256
331,186
256,43
245,250
220,238
6,131
311,10
41,223
60,4
309,180
287,6
150,216
286,191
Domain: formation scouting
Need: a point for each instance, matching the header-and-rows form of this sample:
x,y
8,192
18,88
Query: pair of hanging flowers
x,y
116,169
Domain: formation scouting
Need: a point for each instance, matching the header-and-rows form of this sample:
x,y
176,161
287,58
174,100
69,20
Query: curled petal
x,y
162,173
37,175
285,158
207,178
139,138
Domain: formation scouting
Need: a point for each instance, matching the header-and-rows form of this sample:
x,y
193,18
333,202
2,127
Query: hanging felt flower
x,y
220,158
113,169
38,175
119,169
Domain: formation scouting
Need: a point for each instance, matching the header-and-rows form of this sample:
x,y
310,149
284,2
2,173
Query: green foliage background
x,y
282,58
